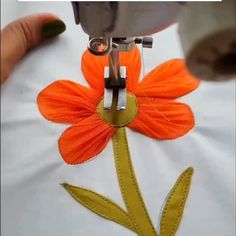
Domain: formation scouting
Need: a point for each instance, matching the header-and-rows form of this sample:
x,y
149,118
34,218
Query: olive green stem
x,y
129,188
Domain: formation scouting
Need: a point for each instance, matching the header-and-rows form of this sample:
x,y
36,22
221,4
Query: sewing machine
x,y
207,31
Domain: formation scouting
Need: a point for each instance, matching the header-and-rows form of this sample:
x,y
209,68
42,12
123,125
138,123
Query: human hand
x,y
22,35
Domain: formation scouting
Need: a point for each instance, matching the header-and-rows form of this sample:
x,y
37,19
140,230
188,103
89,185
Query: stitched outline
x,y
121,182
135,181
99,112
138,196
164,223
69,187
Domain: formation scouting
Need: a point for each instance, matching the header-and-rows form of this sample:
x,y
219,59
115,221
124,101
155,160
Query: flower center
x,y
119,118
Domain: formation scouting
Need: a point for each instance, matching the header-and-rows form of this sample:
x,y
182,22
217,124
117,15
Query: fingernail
x,y
53,28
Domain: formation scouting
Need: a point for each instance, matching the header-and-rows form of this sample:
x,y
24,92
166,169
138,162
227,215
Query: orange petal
x,y
169,80
67,102
85,140
162,118
93,68
132,61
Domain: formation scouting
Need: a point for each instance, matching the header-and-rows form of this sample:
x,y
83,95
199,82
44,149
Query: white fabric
x,y
33,202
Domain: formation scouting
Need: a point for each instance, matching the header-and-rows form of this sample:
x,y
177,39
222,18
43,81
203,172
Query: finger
x,y
20,36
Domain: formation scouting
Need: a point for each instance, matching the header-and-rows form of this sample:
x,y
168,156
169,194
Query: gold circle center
x,y
119,118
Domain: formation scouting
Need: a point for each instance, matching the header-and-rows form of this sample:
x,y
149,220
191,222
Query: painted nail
x,y
53,28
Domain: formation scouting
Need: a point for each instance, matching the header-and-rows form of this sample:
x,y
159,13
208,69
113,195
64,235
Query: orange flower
x,y
156,114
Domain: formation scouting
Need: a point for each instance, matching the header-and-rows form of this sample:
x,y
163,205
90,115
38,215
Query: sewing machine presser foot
x,y
115,89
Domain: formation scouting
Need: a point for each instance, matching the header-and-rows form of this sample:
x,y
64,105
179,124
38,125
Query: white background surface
x,y
33,202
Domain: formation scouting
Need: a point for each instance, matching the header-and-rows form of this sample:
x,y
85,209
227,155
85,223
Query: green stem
x,y
129,187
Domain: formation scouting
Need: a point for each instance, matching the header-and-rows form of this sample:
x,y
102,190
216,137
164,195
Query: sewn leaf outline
x,y
135,217
100,205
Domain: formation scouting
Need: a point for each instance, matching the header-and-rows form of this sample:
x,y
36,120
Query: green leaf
x,y
174,207
100,205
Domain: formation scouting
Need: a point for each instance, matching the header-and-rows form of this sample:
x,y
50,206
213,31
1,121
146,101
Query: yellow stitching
x,y
179,213
136,184
181,205
136,189
132,112
121,182
130,226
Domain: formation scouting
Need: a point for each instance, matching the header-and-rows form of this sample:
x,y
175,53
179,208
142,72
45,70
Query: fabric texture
x,y
33,202
119,118
157,117
129,187
100,205
174,207
135,216
178,120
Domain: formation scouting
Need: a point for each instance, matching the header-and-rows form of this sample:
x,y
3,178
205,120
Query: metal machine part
x,y
114,75
101,46
125,19
118,88
113,27
207,33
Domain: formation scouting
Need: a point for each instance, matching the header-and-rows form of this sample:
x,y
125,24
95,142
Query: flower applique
x,y
151,110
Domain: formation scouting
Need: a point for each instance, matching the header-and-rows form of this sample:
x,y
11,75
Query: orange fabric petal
x,y
162,118
67,102
85,140
132,61
93,68
169,80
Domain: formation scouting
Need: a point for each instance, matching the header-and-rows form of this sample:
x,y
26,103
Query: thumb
x,y
20,36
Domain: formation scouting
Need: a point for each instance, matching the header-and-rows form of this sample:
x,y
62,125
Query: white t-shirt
x,y
33,202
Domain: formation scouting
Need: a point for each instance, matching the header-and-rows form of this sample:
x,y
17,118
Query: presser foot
x,y
115,89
